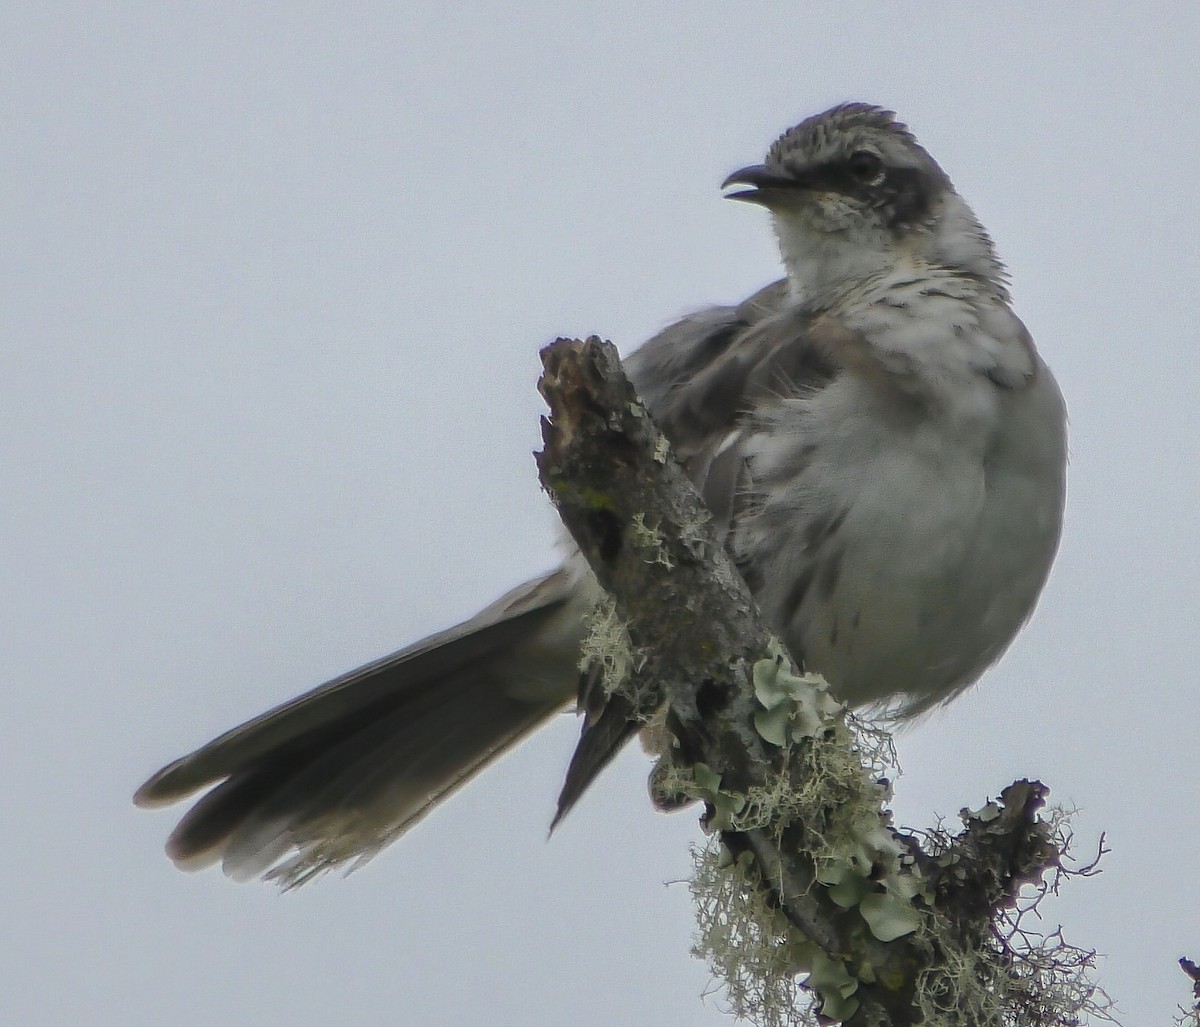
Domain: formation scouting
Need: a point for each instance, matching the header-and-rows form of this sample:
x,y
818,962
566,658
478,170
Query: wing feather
x,y
702,379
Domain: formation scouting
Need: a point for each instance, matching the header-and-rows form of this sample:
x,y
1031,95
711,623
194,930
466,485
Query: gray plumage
x,y
876,433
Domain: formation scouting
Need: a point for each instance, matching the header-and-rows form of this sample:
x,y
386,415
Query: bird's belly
x,y
932,569
894,627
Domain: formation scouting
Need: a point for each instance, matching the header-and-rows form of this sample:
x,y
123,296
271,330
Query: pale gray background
x,y
273,289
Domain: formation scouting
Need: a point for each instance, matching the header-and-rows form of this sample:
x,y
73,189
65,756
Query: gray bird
x,y
876,433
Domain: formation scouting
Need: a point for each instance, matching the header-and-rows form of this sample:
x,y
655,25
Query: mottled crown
x,y
841,130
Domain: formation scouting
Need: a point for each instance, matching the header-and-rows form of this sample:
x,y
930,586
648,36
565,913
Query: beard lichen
x,y
651,541
607,654
1016,973
747,941
829,801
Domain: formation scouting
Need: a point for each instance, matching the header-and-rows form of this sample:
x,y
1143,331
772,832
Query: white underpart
x,y
820,262
946,470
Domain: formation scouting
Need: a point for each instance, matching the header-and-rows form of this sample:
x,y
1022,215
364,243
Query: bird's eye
x,y
865,166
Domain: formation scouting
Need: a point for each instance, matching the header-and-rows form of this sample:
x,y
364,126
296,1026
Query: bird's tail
x,y
335,775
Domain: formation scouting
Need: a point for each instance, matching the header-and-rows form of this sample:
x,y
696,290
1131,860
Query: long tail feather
x,y
333,776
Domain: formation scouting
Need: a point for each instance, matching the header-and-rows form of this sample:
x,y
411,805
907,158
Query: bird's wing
x,y
702,379
338,772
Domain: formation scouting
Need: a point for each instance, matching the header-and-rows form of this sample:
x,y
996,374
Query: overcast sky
x,y
273,290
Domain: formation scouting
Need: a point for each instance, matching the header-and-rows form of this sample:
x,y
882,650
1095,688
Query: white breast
x,y
900,548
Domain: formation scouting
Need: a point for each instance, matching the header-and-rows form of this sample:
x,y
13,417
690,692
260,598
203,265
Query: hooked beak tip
x,y
763,182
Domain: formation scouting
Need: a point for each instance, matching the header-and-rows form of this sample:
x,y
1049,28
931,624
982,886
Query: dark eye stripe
x,y
838,177
911,195
905,194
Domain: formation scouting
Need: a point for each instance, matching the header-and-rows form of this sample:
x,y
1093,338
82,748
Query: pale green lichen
x,y
834,796
1018,975
1023,980
890,914
839,797
836,805
794,705
748,942
607,650
651,541
831,797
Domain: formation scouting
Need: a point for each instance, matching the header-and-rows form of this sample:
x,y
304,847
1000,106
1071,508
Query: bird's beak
x,y
766,186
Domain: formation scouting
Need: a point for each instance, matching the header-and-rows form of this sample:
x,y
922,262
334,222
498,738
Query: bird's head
x,y
853,195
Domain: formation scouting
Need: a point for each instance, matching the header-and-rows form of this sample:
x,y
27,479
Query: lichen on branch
x,y
806,875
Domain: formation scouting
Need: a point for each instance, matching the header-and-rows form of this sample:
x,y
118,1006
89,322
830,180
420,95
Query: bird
x,y
878,438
